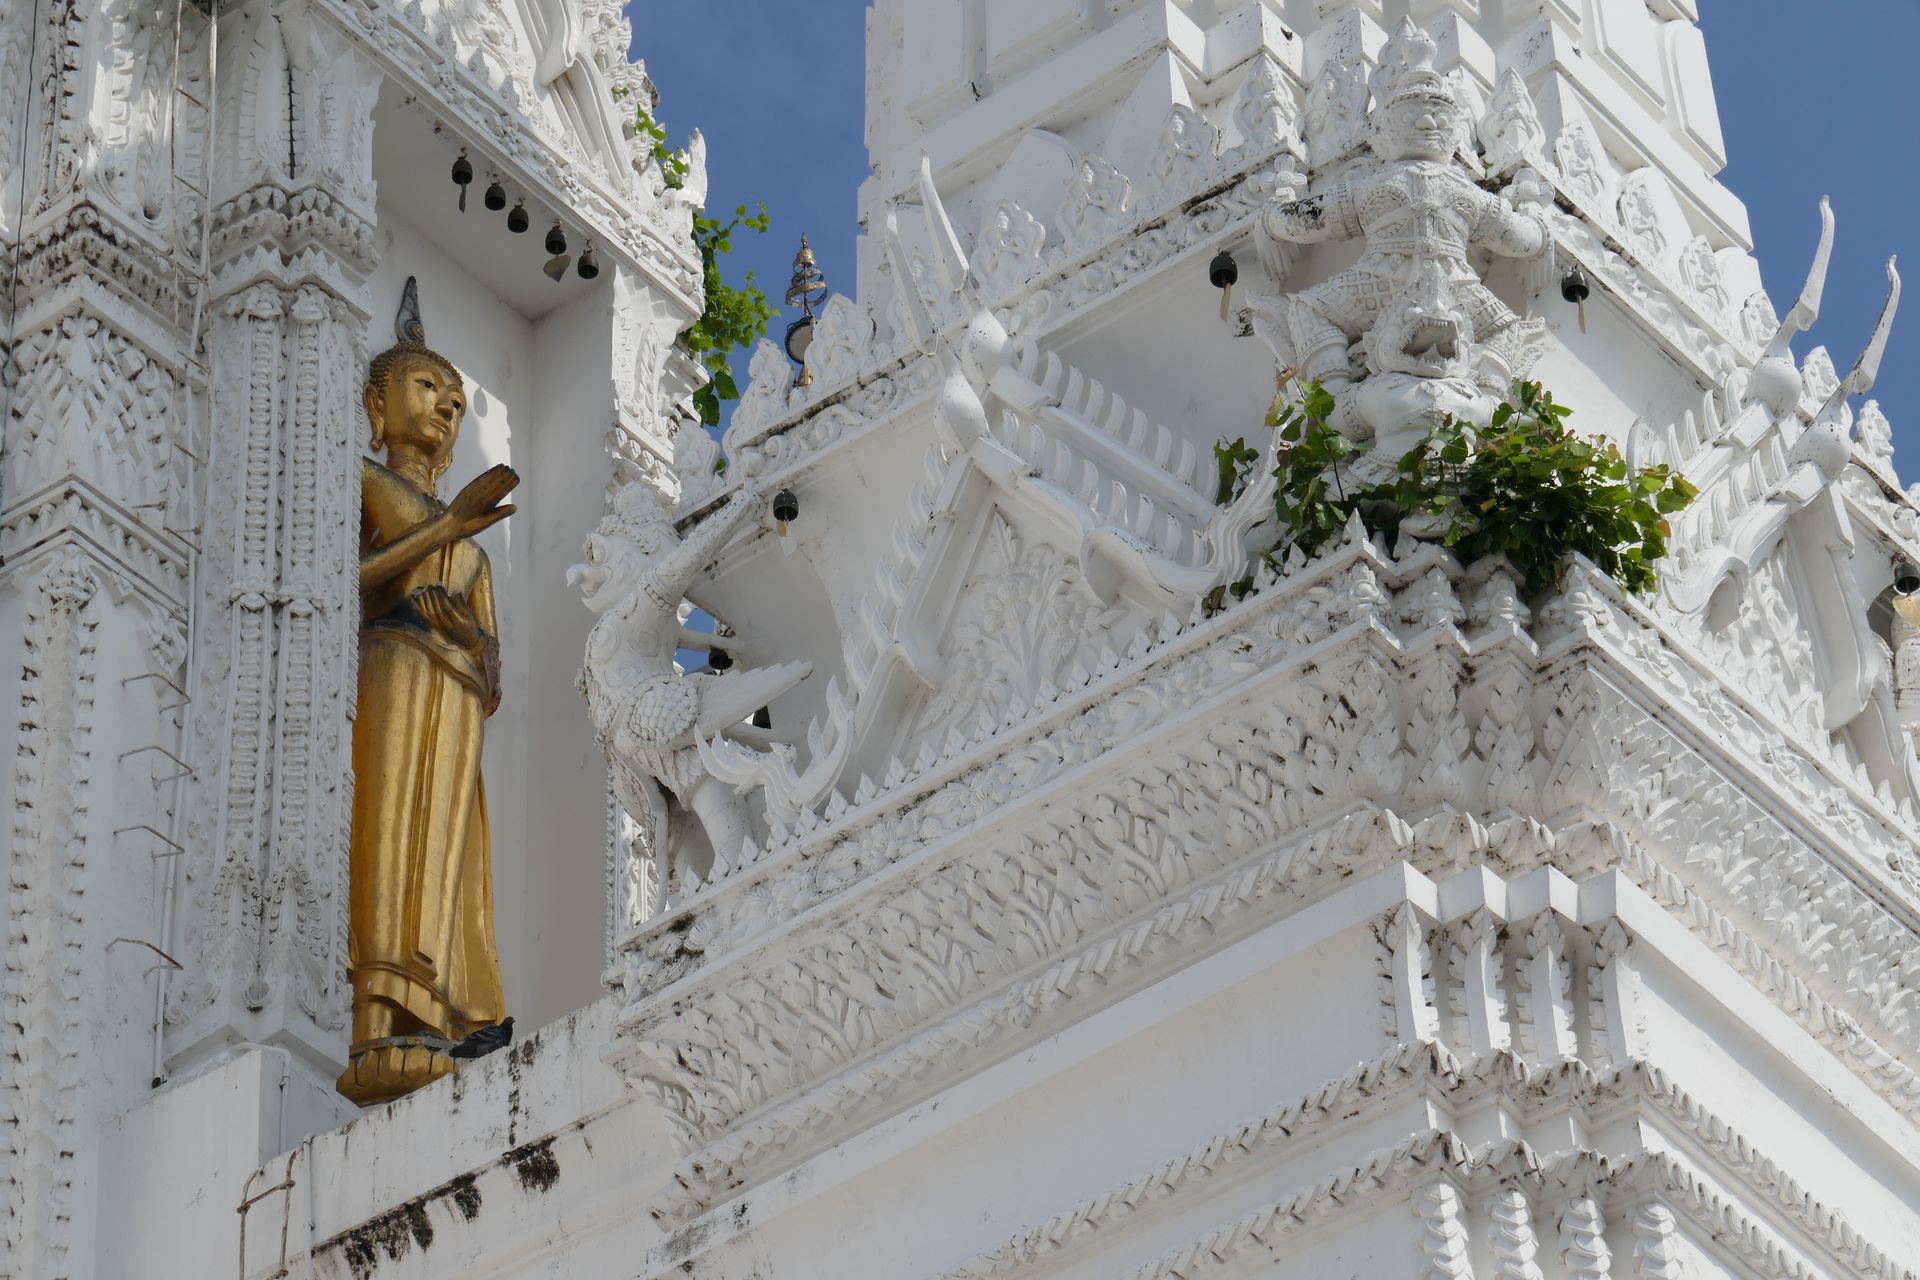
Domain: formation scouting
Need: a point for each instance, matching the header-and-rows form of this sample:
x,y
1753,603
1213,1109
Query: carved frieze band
x,y
1347,715
1525,1189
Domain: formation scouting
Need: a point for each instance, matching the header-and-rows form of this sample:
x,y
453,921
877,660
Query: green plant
x,y
1310,497
1526,488
673,164
1235,462
732,318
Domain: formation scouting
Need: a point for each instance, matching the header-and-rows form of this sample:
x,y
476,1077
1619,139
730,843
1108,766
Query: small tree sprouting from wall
x,y
1527,488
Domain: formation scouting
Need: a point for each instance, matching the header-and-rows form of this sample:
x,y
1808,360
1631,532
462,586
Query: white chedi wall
x,y
1381,922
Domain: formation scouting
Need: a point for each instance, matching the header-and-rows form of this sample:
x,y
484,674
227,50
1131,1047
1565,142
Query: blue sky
x,y
1830,105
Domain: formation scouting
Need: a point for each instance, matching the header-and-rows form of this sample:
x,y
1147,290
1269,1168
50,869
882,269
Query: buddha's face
x,y
421,410
1419,128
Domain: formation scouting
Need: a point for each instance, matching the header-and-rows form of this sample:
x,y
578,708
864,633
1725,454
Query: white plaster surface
x,y
1378,923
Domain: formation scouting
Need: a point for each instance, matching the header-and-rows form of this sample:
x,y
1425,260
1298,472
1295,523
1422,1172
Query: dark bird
x,y
484,1041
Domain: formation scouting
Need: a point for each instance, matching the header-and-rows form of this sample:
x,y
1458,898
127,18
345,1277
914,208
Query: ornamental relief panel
x,y
44,1065
1768,649
264,877
88,402
1025,618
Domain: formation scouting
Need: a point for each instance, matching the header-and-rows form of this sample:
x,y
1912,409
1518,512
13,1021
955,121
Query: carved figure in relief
x,y
1185,151
1700,271
1582,165
420,953
1641,218
1264,110
1875,435
1758,319
697,463
1010,247
1423,366
1336,114
1419,214
1511,131
1098,199
646,712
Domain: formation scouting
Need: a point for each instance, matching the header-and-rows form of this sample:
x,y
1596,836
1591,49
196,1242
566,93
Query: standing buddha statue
x,y
420,952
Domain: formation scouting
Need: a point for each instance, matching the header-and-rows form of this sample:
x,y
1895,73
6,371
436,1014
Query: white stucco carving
x,y
648,715
1413,309
1383,920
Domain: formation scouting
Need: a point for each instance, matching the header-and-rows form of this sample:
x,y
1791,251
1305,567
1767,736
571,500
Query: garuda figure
x,y
646,712
1419,212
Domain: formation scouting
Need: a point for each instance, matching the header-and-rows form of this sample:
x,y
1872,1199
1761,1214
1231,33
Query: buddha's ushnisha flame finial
x,y
407,324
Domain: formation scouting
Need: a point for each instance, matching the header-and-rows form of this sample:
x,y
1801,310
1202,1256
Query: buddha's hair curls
x,y
382,367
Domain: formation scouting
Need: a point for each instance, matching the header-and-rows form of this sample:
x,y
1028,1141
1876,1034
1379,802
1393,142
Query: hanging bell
x,y
496,199
786,508
1575,289
556,241
1223,273
463,176
719,659
589,265
517,220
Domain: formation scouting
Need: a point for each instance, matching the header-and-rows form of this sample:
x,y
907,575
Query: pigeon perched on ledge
x,y
484,1041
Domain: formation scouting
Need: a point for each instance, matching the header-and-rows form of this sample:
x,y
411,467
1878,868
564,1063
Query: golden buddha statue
x,y
420,951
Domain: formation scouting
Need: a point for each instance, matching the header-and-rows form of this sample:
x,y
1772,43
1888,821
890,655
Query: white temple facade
x,y
1065,876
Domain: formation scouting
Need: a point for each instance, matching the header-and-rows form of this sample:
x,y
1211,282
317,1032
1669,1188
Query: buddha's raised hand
x,y
476,507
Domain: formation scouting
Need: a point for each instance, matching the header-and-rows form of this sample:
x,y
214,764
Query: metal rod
x,y
142,942
174,847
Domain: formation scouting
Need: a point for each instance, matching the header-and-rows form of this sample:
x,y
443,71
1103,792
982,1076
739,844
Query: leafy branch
x,y
673,164
1526,488
732,317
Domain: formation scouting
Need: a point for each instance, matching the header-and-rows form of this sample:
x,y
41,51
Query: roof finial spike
x,y
1806,309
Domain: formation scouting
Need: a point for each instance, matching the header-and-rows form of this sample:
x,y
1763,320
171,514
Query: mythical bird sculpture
x,y
649,717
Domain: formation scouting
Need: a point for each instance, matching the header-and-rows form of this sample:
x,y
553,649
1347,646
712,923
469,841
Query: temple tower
x,y
1071,872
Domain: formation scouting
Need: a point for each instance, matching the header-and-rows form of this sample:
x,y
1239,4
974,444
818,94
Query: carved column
x,y
264,893
44,1030
102,406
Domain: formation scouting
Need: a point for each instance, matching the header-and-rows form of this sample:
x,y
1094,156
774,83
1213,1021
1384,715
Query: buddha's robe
x,y
421,921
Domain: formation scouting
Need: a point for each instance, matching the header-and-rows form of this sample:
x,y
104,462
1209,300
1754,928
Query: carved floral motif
x,y
1027,620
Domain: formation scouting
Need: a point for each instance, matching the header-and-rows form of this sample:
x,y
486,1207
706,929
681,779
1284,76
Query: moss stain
x,y
393,1234
466,1196
535,1165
